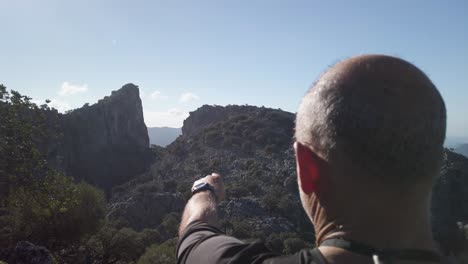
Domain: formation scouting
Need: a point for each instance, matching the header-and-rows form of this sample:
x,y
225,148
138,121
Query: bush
x,y
236,190
160,254
111,245
241,229
270,201
170,186
171,223
288,206
55,210
126,245
150,236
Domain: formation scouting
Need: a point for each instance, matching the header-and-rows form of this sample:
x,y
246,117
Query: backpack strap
x,y
382,256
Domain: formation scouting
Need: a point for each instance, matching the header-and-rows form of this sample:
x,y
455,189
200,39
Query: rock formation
x,y
210,114
28,253
105,144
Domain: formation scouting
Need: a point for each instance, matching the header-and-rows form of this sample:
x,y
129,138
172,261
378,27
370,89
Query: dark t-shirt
x,y
202,243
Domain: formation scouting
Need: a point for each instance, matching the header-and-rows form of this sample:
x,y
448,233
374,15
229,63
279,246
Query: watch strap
x,y
203,186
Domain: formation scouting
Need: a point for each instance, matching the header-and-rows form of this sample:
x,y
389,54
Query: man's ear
x,y
310,168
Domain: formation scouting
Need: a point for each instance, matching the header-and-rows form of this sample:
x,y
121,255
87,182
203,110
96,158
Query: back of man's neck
x,y
382,236
340,256
390,229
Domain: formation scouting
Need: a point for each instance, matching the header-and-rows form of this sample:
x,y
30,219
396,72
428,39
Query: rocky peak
x,y
210,114
118,118
105,143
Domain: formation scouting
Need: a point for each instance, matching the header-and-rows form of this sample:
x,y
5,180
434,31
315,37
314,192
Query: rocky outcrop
x,y
104,144
210,114
146,210
28,253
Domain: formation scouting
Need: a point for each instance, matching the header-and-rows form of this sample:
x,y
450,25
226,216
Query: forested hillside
x,y
67,213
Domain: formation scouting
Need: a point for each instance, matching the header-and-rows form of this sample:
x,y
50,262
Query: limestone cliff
x,y
106,143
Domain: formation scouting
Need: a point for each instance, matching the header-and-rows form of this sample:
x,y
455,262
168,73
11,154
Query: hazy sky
x,y
183,54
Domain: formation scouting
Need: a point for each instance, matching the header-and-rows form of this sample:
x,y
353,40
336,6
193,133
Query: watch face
x,y
198,186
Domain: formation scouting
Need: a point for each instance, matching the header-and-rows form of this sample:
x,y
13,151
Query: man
x,y
369,142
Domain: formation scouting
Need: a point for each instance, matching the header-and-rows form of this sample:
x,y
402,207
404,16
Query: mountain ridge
x,y
251,147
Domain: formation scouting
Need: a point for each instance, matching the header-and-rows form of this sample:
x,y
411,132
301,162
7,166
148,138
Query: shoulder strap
x,y
384,255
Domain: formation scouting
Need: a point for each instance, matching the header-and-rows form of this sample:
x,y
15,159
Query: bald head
x,y
378,113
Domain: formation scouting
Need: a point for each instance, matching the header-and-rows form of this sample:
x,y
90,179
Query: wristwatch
x,y
203,186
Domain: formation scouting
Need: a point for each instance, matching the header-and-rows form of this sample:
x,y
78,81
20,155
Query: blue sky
x,y
184,54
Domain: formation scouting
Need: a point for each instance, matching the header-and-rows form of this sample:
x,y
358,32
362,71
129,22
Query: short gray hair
x,y
387,123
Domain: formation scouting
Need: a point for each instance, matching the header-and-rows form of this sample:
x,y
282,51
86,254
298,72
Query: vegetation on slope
x,y
37,203
249,146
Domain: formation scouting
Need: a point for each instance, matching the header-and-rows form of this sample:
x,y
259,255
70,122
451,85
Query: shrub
x,y
113,245
270,201
160,254
171,223
241,229
150,236
287,206
170,186
55,210
236,190
126,245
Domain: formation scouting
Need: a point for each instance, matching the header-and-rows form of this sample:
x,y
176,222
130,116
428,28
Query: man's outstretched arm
x,y
203,205
200,241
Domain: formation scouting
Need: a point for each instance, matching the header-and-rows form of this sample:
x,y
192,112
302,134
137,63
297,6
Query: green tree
x,y
160,254
126,245
171,223
42,205
21,126
55,210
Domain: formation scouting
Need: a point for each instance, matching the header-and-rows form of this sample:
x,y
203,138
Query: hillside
x,y
106,144
251,147
163,136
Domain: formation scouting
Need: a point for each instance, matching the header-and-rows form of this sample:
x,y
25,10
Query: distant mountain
x,y
163,136
455,141
462,149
